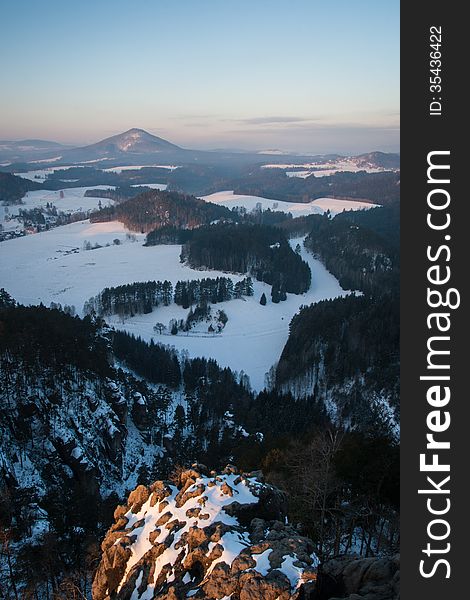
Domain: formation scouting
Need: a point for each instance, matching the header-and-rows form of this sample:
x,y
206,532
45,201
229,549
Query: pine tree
x,y
249,287
238,290
263,300
275,295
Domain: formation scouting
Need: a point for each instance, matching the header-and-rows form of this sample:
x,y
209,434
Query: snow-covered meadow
x,y
67,201
40,175
297,209
152,186
324,169
54,266
138,167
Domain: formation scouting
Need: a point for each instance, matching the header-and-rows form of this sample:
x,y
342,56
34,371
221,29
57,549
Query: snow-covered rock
x,y
205,536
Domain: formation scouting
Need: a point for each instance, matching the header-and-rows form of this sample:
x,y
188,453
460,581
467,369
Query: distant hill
x,y
29,150
158,209
139,147
384,160
30,145
131,142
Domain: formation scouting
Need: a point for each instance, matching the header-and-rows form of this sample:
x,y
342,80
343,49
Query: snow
x,y
301,174
7,223
153,186
215,500
135,594
233,543
40,175
323,169
262,562
73,200
298,209
171,525
54,267
45,160
77,452
273,152
255,335
138,167
336,206
293,573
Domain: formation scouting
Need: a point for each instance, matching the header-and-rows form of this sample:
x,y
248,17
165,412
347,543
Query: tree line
x,y
130,299
211,290
380,188
142,297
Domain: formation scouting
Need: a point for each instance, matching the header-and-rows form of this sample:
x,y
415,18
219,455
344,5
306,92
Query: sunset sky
x,y
301,75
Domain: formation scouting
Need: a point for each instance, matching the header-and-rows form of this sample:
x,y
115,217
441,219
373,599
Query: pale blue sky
x,y
299,75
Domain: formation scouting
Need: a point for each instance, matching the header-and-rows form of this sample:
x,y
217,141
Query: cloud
x,y
311,128
271,120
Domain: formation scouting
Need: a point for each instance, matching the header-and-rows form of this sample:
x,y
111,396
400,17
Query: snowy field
x,y
319,206
324,169
53,266
152,186
138,167
40,175
69,200
7,223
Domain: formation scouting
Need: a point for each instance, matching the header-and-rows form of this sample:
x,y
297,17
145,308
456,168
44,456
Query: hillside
x,y
157,209
313,360
29,150
12,188
259,250
87,414
133,142
77,430
378,159
359,257
346,350
379,188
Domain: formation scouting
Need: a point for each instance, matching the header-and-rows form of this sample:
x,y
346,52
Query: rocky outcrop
x,y
359,579
206,536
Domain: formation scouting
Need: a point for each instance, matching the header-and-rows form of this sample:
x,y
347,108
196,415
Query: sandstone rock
x,y
359,579
218,526
138,497
153,535
226,489
164,518
186,494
